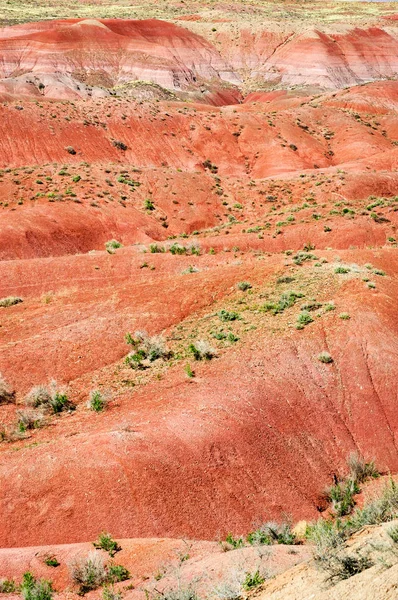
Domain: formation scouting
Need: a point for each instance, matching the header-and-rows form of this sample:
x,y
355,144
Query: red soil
x,y
261,429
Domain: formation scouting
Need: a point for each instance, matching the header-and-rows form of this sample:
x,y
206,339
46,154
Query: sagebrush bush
x,y
29,419
340,565
89,572
393,533
146,349
202,350
360,470
7,395
49,398
180,593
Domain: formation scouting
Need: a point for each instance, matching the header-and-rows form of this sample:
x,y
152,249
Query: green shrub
x,y
117,573
10,301
225,315
105,542
344,316
155,249
342,270
253,580
393,533
286,300
244,285
35,589
146,349
234,542
188,370
149,205
259,537
302,257
97,401
7,586
325,357
51,561
342,497
177,249
303,319
360,470
112,245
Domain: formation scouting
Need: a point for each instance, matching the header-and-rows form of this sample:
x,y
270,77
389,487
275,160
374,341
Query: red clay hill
x,y
257,238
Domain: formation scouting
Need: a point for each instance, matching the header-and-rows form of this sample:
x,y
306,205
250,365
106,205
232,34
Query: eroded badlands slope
x,y
293,193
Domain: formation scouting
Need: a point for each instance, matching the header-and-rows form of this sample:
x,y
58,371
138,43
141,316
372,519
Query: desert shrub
x,y
7,395
109,593
234,542
177,249
105,542
311,305
155,249
280,533
49,398
228,590
341,566
146,349
226,316
189,372
180,593
285,279
29,419
259,537
149,205
342,270
194,248
9,301
341,496
119,145
360,470
244,285
382,509
302,257
51,561
117,573
325,357
89,572
286,301
112,245
39,395
326,536
35,589
344,316
202,350
393,533
7,586
252,580
97,401
303,319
